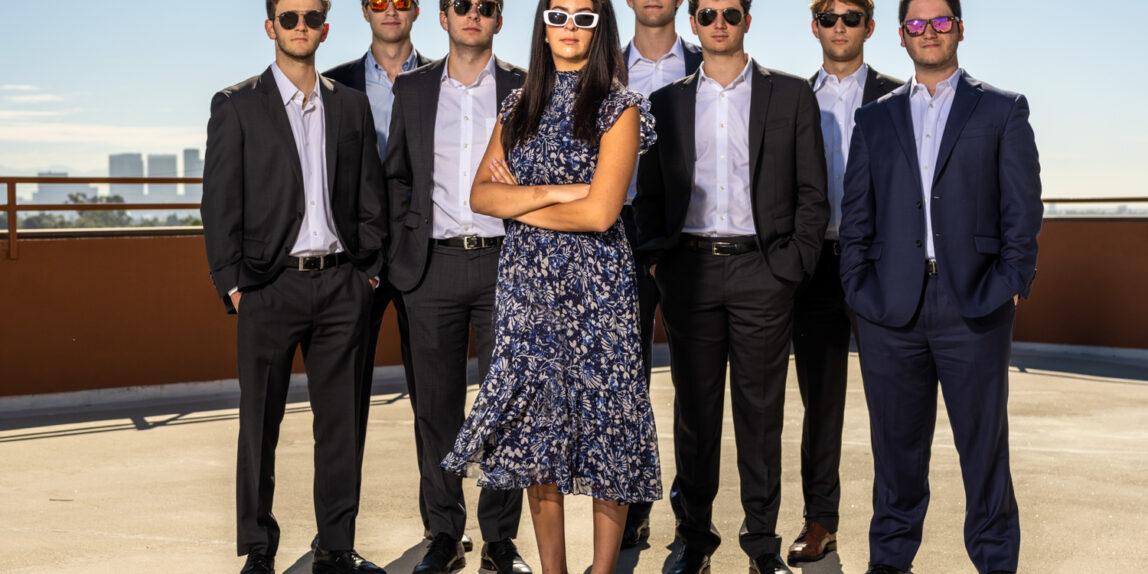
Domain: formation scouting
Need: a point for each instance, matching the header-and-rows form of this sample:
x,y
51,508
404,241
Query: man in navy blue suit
x,y
940,218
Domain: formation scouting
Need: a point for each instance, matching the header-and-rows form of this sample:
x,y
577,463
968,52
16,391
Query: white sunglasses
x,y
558,19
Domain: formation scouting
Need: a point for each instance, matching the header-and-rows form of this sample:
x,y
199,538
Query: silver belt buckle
x,y
471,242
931,266
322,262
302,263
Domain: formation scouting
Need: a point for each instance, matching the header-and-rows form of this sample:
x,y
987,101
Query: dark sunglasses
x,y
314,19
851,18
942,25
485,9
707,16
558,19
381,5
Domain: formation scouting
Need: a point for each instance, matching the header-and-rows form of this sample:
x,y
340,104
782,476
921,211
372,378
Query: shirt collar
x,y
859,76
745,76
287,90
676,51
951,81
487,71
376,73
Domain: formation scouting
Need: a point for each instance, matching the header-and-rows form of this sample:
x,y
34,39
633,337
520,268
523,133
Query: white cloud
x,y
17,88
35,98
150,137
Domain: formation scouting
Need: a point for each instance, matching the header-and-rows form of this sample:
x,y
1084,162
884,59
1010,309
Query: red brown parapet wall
x,y
85,312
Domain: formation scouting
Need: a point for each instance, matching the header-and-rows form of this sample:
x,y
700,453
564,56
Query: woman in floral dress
x,y
565,408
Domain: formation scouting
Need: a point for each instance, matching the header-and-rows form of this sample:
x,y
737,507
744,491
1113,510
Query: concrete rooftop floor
x,y
144,483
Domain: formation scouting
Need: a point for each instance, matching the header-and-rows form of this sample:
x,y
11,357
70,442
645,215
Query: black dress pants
x,y
324,313
721,309
455,295
822,322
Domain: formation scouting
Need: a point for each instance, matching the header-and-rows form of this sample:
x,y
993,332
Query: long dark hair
x,y
602,69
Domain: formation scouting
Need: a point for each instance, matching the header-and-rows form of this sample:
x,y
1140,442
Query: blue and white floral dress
x,y
565,400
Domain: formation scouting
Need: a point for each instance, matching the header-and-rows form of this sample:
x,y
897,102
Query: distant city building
x,y
162,165
53,193
126,165
192,167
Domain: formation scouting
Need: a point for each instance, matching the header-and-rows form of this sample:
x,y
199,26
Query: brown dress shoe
x,y
812,544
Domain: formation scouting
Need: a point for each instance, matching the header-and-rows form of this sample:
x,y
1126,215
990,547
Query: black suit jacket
x,y
787,171
409,164
876,85
354,73
253,183
692,53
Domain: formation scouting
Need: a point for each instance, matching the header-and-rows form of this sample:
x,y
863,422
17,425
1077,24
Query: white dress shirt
x,y
930,114
380,92
465,119
839,100
317,234
720,204
647,76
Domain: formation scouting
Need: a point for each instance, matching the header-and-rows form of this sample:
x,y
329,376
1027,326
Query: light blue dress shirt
x,y
380,91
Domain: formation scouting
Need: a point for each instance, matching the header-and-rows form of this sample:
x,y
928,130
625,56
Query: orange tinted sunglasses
x,y
401,5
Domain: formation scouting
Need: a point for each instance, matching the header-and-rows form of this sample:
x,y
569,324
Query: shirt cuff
x,y
233,291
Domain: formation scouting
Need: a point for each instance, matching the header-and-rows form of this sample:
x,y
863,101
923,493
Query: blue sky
x,y
78,82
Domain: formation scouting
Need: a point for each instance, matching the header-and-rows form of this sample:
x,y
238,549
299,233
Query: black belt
x,y
720,245
930,267
316,263
470,242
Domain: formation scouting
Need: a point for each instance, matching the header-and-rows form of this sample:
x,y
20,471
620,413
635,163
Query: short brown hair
x,y
444,4
694,6
819,6
272,4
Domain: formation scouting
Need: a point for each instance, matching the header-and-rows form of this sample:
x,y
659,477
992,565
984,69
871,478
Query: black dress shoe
x,y
634,534
342,562
691,561
444,555
768,564
258,564
883,569
503,557
467,543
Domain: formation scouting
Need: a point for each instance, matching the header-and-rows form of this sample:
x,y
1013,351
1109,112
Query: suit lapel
x,y
874,87
687,148
762,89
965,100
332,112
426,112
901,117
277,116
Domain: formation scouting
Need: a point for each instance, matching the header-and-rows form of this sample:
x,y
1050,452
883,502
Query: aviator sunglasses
x,y
732,16
400,5
558,19
313,18
851,18
942,25
485,9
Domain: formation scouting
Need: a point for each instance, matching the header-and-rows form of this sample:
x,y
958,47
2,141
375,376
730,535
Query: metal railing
x,y
13,207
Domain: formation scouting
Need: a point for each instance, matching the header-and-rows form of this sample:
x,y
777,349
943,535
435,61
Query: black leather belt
x,y
930,267
723,246
316,263
470,242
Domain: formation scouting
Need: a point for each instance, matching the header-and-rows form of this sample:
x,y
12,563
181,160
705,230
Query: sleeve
x,y
618,101
509,104
1022,210
222,203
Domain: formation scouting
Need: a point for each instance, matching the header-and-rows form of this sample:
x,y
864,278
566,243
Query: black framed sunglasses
x,y
400,5
558,19
485,9
707,16
851,18
314,19
942,25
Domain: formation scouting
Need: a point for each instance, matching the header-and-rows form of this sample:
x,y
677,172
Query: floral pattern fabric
x,y
565,400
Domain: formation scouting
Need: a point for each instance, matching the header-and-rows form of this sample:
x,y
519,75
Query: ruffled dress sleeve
x,y
618,101
509,104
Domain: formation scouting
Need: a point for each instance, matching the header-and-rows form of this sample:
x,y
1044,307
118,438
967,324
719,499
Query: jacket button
x,y
918,243
919,204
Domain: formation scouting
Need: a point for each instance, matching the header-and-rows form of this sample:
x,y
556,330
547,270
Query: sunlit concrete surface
x,y
148,485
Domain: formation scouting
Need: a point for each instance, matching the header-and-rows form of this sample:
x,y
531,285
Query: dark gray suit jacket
x,y
253,183
409,165
787,171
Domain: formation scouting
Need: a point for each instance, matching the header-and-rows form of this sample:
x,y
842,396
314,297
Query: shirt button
x,y
721,125
312,203
315,233
918,205
721,187
467,118
465,146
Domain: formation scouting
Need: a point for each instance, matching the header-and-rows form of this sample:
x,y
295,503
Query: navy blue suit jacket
x,y
986,206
